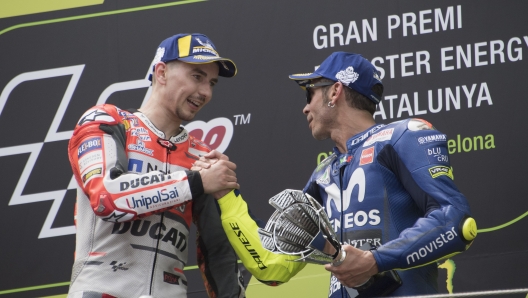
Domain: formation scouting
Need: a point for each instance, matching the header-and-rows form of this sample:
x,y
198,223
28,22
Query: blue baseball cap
x,y
193,48
351,69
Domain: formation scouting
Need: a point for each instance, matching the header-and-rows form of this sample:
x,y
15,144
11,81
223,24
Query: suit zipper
x,y
159,230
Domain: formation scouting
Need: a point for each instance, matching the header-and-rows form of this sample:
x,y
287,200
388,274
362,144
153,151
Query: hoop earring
x,y
330,104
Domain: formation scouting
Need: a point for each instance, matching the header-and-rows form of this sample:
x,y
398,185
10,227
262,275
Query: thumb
x,y
216,155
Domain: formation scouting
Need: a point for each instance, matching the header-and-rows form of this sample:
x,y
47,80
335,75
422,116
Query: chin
x,y
319,136
186,117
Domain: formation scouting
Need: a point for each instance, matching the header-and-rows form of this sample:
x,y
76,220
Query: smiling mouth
x,y
194,102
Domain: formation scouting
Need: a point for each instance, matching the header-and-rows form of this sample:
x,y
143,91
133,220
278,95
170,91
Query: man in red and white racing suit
x,y
136,196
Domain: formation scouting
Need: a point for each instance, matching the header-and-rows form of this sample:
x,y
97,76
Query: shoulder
x,y
416,134
106,113
321,174
325,163
414,128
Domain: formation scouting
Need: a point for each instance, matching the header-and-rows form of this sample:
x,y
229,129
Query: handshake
x,y
217,172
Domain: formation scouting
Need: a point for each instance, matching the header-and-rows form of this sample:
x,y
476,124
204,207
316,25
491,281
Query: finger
x,y
234,185
216,155
208,160
229,164
202,164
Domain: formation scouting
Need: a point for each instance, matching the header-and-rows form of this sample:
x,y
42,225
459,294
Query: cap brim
x,y
226,67
304,78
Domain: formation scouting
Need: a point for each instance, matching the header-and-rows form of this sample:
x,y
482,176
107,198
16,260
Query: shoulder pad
x,y
416,124
100,114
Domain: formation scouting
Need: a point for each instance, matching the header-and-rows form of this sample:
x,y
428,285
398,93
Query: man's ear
x,y
335,91
160,72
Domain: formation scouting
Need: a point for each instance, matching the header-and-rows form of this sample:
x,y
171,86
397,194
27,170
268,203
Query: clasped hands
x,y
219,178
217,172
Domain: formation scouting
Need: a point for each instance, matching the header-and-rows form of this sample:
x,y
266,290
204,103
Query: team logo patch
x,y
118,266
441,171
383,135
89,145
367,156
432,138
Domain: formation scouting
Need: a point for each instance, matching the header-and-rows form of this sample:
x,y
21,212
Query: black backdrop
x,y
470,83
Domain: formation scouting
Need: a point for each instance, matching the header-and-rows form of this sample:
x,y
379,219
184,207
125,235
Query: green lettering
x,y
321,157
490,142
475,145
468,144
469,147
451,145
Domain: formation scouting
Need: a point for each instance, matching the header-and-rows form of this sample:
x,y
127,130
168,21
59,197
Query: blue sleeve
x,y
420,160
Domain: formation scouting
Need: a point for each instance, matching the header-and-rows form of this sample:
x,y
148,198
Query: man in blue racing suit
x,y
388,185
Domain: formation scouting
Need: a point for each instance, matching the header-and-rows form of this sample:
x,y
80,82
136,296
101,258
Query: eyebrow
x,y
203,73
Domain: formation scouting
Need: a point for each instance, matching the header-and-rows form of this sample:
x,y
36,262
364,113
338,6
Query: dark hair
x,y
357,100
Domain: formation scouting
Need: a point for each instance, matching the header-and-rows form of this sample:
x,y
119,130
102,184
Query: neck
x,y
352,122
161,117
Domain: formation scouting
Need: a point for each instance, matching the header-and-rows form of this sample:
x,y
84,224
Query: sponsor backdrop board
x,y
460,65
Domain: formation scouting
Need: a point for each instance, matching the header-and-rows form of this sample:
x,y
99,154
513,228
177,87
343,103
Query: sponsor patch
x,y
92,173
437,155
89,159
180,138
432,138
432,246
365,135
89,145
171,278
358,238
145,180
204,50
441,171
347,76
383,135
367,156
141,133
126,124
149,200
140,147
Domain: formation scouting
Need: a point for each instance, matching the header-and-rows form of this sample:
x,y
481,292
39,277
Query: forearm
x,y
439,235
241,230
100,165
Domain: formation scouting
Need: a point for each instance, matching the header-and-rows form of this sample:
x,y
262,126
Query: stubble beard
x,y
183,116
326,121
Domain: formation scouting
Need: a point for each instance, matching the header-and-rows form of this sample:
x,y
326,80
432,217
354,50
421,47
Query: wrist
x,y
221,194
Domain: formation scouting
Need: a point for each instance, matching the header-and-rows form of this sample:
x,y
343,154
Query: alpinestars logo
x,y
217,133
